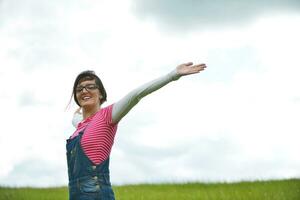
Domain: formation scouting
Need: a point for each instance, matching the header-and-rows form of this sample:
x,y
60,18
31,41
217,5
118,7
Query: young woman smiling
x,y
88,149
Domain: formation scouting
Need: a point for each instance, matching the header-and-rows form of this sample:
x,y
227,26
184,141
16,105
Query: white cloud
x,y
238,118
183,16
255,112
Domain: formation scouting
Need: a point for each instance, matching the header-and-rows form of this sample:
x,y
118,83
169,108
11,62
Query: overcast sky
x,y
237,120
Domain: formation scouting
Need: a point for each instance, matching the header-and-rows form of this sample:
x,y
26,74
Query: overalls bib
x,y
86,180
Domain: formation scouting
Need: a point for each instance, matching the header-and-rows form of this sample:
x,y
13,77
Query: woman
x,y
89,147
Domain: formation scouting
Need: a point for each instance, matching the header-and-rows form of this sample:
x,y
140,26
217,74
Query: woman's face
x,y
88,94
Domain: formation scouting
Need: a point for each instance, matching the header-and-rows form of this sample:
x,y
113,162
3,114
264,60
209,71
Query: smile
x,y
85,98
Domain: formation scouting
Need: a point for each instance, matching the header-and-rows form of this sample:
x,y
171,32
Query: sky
x,y
237,120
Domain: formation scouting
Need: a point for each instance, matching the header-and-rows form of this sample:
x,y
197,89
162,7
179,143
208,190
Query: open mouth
x,y
86,98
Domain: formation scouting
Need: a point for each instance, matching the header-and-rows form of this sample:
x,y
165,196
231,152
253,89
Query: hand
x,y
78,111
189,68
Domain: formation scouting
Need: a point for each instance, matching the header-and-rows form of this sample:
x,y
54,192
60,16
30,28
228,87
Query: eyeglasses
x,y
88,87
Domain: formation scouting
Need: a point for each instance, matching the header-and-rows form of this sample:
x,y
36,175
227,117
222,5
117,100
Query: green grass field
x,y
257,190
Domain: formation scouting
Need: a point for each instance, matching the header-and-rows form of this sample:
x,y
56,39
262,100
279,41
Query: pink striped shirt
x,y
98,137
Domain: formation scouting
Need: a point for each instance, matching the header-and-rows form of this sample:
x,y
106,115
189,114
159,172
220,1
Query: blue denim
x,y
86,180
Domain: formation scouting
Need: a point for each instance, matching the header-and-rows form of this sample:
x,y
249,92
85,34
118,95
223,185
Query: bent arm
x,y
77,117
123,106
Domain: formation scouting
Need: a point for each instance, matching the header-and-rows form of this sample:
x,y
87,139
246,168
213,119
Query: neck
x,y
87,112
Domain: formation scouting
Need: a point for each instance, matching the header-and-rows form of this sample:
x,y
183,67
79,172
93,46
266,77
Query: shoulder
x,y
106,112
107,109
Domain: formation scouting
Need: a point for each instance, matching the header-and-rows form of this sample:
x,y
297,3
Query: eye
x,y
79,89
91,86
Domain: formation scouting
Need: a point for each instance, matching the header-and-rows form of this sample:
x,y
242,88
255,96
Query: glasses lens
x,y
88,87
79,89
91,87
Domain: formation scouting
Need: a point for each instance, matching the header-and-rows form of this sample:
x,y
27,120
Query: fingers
x,y
200,66
190,68
188,63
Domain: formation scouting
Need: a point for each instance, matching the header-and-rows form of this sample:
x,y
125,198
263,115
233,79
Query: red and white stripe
x,y
99,134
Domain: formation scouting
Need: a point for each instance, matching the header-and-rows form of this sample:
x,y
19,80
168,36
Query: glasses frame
x,y
79,89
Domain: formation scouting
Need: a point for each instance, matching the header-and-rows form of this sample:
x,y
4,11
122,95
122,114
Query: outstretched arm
x,y
123,106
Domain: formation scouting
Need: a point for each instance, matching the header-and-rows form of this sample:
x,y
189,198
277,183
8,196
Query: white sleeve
x,y
123,106
77,117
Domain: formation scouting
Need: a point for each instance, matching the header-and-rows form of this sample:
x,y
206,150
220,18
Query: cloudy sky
x,y
237,120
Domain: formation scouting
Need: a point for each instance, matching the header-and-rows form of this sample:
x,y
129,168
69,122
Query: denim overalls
x,y
86,180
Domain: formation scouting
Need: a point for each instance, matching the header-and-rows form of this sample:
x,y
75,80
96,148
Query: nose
x,y
84,89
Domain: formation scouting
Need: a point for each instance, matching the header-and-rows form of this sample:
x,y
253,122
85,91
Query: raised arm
x,y
123,106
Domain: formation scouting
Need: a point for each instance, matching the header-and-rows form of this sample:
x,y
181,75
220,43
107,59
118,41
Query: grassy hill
x,y
256,190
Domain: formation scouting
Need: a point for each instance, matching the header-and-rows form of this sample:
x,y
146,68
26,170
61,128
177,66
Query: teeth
x,y
84,98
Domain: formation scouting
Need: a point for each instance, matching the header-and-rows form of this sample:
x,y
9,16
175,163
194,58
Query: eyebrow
x,y
85,85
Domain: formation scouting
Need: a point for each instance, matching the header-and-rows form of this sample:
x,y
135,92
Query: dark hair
x,y
89,75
